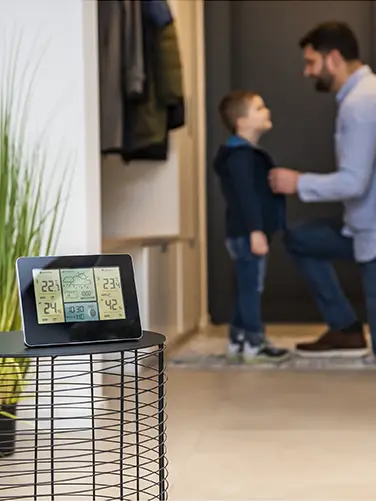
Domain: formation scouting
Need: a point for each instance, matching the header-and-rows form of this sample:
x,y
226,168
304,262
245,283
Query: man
x,y
331,57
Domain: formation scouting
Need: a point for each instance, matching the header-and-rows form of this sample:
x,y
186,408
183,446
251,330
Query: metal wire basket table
x,y
91,423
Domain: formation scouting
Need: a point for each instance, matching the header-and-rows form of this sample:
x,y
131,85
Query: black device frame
x,y
97,331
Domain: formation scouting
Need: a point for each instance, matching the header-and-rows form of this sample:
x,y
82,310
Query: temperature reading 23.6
x,y
111,283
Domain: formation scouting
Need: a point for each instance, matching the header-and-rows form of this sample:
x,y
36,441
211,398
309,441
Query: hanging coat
x,y
133,47
141,90
110,87
146,123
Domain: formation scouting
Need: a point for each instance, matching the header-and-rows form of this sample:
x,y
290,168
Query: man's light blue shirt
x,y
354,182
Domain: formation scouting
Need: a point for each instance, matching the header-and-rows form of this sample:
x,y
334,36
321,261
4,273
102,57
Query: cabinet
x,y
156,210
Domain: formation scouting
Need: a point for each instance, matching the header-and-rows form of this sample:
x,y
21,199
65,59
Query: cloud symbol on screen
x,y
79,279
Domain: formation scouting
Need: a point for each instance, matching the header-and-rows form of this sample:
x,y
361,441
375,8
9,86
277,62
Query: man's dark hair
x,y
333,35
234,106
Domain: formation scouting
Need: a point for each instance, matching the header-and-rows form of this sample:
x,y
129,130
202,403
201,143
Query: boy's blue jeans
x,y
313,245
247,323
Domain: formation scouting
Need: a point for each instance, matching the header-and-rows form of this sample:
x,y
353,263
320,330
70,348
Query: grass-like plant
x,y
29,222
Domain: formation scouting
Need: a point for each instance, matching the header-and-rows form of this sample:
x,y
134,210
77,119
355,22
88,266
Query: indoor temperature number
x,y
50,286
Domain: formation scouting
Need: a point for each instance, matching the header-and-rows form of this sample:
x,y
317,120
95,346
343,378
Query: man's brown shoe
x,y
335,344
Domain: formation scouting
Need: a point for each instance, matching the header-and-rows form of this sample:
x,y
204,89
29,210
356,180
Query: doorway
x,y
254,44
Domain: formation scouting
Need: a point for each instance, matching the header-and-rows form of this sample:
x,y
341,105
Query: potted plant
x,y
29,223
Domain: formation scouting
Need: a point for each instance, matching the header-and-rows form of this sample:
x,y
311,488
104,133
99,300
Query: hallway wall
x,y
58,39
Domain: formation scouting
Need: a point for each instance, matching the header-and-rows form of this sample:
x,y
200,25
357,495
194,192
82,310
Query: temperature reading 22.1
x,y
111,304
50,286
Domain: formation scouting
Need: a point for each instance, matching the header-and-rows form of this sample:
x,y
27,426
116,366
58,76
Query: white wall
x,y
64,104
137,198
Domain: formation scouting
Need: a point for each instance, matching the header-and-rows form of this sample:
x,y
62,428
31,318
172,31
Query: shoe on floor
x,y
234,351
265,354
335,344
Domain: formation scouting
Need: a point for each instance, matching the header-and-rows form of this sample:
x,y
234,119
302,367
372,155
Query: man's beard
x,y
324,82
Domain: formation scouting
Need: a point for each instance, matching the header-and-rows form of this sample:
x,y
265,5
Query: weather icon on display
x,y
77,280
78,285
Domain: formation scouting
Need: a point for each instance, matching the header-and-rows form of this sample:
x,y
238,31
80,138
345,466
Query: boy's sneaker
x,y
266,353
235,344
234,351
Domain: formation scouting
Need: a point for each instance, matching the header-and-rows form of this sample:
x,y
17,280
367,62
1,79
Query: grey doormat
x,y
206,351
219,362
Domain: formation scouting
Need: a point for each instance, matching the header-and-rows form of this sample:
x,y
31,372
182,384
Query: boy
x,y
253,215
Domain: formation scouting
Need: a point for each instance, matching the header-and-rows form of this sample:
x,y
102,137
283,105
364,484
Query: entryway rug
x,y
219,362
206,351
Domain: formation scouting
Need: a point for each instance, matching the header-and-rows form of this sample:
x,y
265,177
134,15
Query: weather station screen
x,y
78,295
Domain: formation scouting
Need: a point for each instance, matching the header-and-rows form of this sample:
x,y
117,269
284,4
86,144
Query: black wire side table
x,y
90,425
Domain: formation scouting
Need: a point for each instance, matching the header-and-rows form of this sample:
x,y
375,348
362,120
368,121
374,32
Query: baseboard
x,y
181,339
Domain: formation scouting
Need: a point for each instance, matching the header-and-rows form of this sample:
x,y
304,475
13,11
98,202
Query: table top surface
x,y
12,346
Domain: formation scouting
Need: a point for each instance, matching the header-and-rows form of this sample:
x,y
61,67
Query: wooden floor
x,y
285,436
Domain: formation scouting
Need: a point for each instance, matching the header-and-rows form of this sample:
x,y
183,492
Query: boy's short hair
x,y
234,106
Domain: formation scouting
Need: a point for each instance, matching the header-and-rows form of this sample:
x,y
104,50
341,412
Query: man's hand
x,y
259,243
284,181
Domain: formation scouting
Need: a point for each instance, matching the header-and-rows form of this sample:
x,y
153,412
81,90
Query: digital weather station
x,y
78,299
87,361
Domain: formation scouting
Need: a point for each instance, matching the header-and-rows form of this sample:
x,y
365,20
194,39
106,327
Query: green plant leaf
x,y
29,222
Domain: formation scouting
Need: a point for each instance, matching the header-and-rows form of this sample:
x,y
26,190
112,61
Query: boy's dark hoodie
x,y
250,204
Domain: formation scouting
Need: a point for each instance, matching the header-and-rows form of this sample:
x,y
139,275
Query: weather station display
x,y
78,295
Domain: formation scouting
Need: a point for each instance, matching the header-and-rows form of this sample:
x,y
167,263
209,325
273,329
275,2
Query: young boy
x,y
253,215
